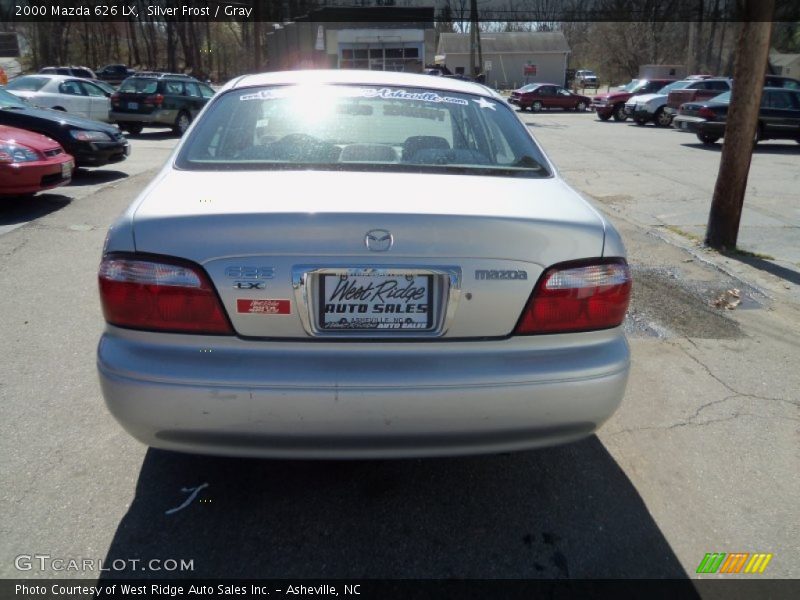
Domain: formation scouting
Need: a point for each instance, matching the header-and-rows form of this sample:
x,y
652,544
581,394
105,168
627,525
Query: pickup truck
x,y
702,90
613,103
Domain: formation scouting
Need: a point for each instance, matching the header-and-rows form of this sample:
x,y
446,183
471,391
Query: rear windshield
x,y
362,128
27,84
134,85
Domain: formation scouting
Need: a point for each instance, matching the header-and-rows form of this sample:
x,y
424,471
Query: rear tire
x,y
182,122
536,106
604,116
708,139
580,106
134,128
619,113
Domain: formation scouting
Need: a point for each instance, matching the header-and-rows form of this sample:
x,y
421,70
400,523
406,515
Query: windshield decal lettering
x,y
350,92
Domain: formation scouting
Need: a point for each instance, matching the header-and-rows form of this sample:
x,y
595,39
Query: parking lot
x,y
702,456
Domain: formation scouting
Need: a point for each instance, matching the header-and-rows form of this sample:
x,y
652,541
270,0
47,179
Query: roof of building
x,y
782,60
518,42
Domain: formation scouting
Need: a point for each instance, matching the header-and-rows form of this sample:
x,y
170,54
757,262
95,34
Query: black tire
x,y
708,139
604,116
662,118
536,106
182,122
619,113
580,106
133,128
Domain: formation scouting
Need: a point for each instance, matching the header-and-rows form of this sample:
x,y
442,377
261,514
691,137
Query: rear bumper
x,y
688,124
229,396
157,117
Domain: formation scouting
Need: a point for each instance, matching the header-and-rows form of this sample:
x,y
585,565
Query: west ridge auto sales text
x,y
157,589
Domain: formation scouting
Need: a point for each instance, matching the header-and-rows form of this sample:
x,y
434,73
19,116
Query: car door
x,y
547,94
207,92
194,99
565,99
779,114
100,105
73,98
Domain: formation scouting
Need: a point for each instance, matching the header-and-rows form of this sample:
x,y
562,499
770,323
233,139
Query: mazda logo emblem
x,y
378,240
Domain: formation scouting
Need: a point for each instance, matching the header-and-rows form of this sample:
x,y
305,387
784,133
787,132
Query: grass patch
x,y
678,231
735,253
738,252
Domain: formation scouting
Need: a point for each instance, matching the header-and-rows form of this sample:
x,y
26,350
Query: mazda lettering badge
x,y
378,240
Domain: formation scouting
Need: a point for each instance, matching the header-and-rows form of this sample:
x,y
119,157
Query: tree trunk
x,y
752,50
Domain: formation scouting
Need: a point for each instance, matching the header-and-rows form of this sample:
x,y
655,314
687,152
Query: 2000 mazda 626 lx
x,y
342,264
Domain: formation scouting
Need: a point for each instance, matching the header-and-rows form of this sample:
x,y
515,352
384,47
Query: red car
x,y
31,162
537,96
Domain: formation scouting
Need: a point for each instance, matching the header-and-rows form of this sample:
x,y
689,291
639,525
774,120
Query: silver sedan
x,y
342,264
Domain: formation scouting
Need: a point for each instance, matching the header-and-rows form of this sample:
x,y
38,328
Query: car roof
x,y
54,77
162,75
360,77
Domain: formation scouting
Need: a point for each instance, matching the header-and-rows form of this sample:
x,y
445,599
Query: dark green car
x,y
158,100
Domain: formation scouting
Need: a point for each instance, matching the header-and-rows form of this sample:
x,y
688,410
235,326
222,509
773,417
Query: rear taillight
x,y
707,113
155,100
578,296
115,99
160,295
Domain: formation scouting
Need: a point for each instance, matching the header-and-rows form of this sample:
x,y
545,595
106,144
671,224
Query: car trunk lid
x,y
267,248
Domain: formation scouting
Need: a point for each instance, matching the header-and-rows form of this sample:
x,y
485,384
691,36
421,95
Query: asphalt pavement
x,y
701,457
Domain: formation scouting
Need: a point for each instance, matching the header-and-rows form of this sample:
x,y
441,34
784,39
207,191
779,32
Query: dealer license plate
x,y
66,170
133,105
378,300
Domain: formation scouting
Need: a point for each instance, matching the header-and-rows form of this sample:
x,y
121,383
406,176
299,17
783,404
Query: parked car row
x,y
652,108
778,116
146,99
699,105
40,147
613,103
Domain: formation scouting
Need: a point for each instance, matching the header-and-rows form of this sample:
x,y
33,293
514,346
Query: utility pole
x,y
257,36
691,52
474,40
750,62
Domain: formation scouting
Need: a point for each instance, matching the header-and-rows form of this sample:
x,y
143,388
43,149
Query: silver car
x,y
343,264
